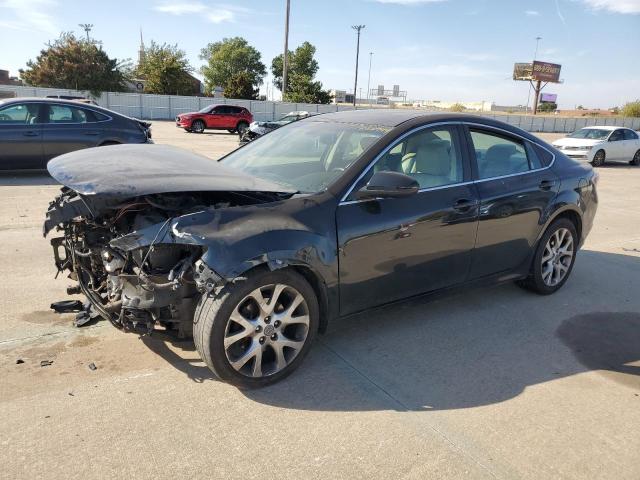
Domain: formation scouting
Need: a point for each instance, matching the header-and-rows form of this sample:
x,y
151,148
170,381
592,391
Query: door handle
x,y
30,134
464,205
546,184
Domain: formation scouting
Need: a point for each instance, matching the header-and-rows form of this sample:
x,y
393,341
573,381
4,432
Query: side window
x,y
66,114
221,110
93,116
20,114
235,110
544,155
431,156
498,155
616,136
630,135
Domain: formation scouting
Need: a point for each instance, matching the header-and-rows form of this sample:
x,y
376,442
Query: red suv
x,y
216,117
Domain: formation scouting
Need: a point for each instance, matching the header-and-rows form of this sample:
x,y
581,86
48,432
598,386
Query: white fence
x,y
166,107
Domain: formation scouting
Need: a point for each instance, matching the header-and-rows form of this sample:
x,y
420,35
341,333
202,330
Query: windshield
x,y
206,109
591,134
307,156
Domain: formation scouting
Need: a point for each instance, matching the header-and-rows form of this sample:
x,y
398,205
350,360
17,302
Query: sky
x,y
447,50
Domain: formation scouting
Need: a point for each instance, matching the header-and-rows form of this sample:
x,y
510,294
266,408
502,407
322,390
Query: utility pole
x,y
355,85
286,52
369,79
87,28
535,54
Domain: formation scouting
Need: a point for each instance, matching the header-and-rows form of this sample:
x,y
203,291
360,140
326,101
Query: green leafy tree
x,y
166,70
78,64
548,107
235,66
631,109
302,68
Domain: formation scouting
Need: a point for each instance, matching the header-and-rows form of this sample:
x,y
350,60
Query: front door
x,y
394,248
616,145
21,136
515,191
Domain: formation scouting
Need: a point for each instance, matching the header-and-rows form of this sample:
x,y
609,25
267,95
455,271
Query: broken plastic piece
x,y
45,363
92,366
67,306
19,361
82,318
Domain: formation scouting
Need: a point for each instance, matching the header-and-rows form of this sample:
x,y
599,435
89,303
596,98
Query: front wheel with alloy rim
x,y
636,159
197,126
242,127
598,158
554,258
256,332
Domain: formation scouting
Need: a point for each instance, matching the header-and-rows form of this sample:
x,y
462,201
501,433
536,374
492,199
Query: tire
x,y
636,159
538,280
231,130
198,126
187,130
261,333
599,158
242,127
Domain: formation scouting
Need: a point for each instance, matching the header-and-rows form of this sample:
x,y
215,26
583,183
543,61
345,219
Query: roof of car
x,y
388,118
604,127
39,99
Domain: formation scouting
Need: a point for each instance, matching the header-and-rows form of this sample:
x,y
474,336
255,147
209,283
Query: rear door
x,y
616,145
21,136
515,191
67,129
632,143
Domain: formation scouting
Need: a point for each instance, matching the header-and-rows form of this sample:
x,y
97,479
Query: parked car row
x,y
35,130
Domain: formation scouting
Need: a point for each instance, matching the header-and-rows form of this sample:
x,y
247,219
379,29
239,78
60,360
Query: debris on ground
x,y
19,361
45,363
92,366
67,306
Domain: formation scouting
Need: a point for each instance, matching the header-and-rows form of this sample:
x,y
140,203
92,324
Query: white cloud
x,y
615,6
213,13
409,2
532,13
29,15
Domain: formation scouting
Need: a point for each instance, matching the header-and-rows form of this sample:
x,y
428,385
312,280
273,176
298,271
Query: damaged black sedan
x,y
332,215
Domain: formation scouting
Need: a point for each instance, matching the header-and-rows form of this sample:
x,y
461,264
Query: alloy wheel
x,y
267,330
598,158
557,257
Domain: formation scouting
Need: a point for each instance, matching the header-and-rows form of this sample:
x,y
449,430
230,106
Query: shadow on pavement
x,y
465,350
41,177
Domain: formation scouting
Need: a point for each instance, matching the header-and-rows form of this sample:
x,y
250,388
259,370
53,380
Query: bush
x,y
457,107
547,107
631,109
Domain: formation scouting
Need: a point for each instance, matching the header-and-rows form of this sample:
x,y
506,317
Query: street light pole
x,y
286,52
369,79
535,54
355,85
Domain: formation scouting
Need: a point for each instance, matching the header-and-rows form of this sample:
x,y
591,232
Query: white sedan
x,y
598,145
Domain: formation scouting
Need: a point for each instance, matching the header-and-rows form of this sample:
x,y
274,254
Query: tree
x,y
548,107
457,107
302,68
631,109
165,70
78,64
235,66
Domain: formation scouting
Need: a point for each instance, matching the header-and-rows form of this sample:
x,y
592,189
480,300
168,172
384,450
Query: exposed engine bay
x,y
140,288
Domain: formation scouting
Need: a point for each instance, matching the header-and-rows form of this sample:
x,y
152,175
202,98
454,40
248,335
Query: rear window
x,y
544,155
93,116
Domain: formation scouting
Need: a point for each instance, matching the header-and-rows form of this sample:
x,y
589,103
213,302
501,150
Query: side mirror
x,y
386,184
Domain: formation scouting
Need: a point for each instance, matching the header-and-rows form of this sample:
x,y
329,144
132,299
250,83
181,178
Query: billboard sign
x,y
546,72
548,98
522,71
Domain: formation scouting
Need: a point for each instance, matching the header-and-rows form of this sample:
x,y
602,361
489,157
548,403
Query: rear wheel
x,y
242,127
599,158
256,332
554,258
197,126
636,159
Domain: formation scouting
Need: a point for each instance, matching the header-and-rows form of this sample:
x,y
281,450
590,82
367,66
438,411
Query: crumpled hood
x,y
126,171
